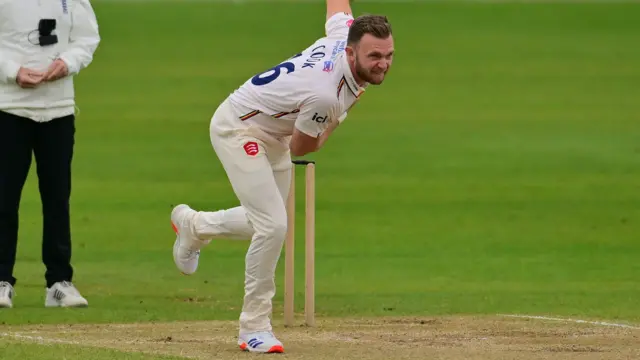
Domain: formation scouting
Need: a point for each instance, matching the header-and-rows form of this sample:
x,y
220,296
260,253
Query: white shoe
x,y
186,249
6,295
64,294
262,342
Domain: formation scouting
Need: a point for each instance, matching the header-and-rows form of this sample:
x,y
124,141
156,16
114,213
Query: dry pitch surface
x,y
389,338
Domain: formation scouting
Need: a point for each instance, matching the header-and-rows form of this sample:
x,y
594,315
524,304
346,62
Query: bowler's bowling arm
x,y
336,6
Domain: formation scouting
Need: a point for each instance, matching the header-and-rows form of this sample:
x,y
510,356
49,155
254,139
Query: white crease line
x,y
602,323
39,339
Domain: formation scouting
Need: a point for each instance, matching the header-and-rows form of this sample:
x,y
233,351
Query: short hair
x,y
376,25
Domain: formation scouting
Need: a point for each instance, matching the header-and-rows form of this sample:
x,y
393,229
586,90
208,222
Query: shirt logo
x,y
354,85
251,148
338,48
349,22
65,9
319,119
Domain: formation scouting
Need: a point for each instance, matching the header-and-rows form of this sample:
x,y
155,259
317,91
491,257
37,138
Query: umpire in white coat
x,y
43,45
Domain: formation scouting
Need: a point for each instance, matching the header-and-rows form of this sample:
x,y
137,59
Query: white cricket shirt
x,y
306,91
78,38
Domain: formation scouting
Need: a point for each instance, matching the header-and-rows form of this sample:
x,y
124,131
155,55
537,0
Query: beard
x,y
368,75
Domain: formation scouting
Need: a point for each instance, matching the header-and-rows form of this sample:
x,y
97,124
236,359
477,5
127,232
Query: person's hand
x,y
29,78
58,69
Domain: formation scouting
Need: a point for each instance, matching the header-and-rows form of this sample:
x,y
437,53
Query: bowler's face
x,y
373,58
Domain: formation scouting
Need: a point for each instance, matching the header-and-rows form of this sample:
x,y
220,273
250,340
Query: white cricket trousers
x,y
258,166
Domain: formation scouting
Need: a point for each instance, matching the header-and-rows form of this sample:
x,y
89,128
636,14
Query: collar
x,y
356,89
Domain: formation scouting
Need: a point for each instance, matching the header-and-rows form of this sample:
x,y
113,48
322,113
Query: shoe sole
x,y
66,306
175,229
276,349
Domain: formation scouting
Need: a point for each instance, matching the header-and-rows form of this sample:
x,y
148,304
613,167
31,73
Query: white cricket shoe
x,y
261,342
186,249
64,294
6,295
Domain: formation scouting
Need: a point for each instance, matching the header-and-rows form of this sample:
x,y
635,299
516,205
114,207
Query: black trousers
x,y
52,145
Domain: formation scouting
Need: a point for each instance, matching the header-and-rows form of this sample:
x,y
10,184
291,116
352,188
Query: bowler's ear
x,y
349,50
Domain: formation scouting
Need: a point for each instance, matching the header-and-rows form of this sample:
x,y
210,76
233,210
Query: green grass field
x,y
497,170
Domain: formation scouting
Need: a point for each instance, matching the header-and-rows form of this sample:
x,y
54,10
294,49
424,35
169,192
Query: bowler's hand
x,y
29,78
57,70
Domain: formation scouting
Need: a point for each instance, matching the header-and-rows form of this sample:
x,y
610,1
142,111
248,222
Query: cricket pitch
x,y
447,338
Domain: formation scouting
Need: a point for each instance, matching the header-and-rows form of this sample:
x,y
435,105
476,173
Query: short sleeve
x,y
338,25
315,115
342,117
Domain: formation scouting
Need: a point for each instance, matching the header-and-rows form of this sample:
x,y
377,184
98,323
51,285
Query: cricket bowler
x,y
288,110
